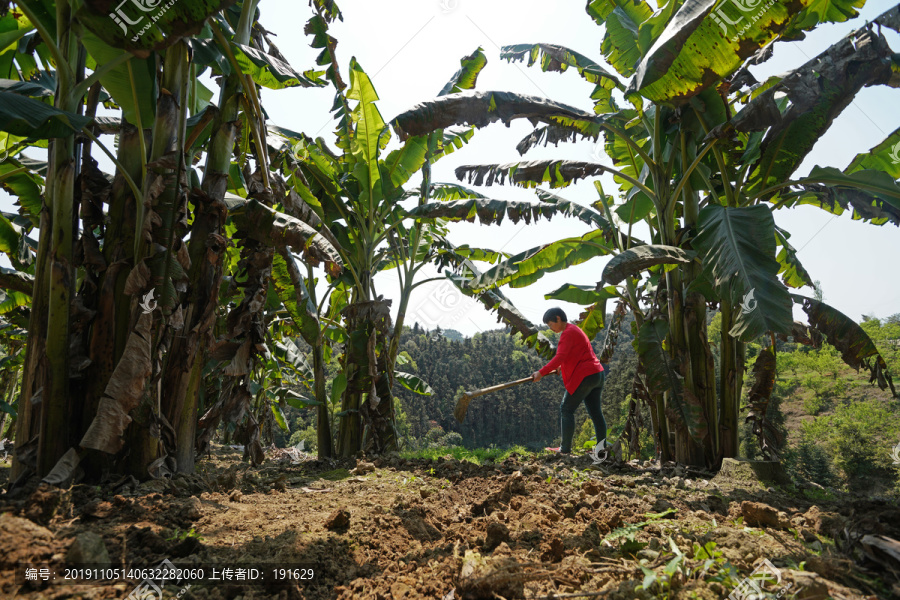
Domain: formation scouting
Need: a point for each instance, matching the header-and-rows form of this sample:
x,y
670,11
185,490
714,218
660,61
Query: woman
x,y
582,376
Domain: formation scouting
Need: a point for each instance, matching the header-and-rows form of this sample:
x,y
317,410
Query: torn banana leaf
x,y
273,228
529,174
856,347
507,313
488,211
483,108
763,383
559,59
637,259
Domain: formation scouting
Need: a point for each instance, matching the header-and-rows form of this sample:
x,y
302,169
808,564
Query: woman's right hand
x,y
536,376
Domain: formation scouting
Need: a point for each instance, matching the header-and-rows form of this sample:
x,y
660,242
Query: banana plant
x,y
700,162
358,193
141,280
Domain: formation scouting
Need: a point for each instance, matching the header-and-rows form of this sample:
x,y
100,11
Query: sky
x,y
410,48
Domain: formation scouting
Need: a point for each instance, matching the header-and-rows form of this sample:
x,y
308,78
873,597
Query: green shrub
x,y
811,461
814,404
858,438
585,435
451,439
307,436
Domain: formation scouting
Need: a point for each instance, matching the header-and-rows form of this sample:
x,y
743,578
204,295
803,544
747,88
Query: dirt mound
x,y
398,528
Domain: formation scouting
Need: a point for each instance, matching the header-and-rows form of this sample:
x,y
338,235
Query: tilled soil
x,y
529,527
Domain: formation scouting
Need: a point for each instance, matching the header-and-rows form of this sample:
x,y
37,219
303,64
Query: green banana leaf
x,y
450,191
449,142
143,27
403,163
33,119
25,187
289,353
413,383
272,72
883,157
621,19
10,300
635,260
580,294
367,139
117,82
298,303
792,272
591,321
523,269
467,75
708,40
24,88
279,417
507,313
737,248
559,59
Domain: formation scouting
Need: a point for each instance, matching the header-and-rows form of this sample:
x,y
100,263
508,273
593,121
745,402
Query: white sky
x,y
410,48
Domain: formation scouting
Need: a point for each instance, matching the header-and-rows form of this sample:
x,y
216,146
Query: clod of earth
x,y
759,514
339,519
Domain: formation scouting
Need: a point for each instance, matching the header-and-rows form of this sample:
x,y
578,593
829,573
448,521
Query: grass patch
x,y
478,456
335,475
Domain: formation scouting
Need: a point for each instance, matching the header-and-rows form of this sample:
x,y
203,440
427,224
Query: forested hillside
x,y
525,415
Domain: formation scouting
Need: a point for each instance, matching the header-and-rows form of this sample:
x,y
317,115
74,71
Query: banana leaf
x,y
33,119
413,383
559,59
737,249
856,347
635,260
558,173
482,108
758,400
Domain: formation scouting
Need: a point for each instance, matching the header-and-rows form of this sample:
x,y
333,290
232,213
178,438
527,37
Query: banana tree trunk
x,y
111,326
56,412
702,366
731,377
325,445
206,249
323,428
28,425
350,430
144,437
367,407
687,450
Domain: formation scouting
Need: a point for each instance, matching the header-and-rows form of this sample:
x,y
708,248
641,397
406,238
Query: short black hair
x,y
554,312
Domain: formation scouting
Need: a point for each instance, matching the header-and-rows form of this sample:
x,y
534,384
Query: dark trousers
x,y
589,391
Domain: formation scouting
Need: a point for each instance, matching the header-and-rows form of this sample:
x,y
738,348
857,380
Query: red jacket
x,y
576,357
